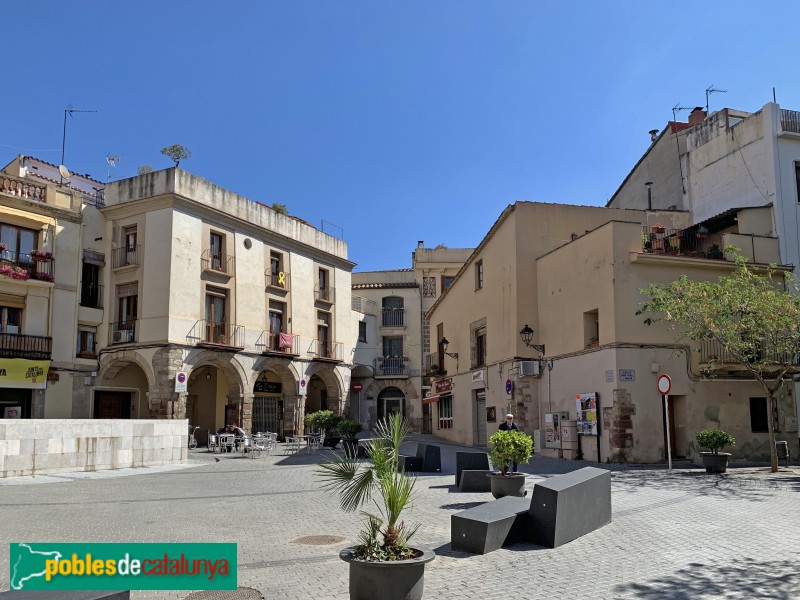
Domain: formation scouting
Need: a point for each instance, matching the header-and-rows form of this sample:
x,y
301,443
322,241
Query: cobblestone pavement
x,y
674,535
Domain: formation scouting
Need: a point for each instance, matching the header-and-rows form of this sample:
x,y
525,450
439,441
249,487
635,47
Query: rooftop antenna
x,y
112,160
712,90
675,110
69,110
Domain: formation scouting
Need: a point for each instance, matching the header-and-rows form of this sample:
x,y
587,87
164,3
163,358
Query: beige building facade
x,y
572,275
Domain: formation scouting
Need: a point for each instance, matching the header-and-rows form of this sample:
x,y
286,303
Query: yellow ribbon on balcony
x,y
282,278
23,373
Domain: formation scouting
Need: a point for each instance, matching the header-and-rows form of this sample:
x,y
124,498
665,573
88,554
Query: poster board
x,y
587,410
552,430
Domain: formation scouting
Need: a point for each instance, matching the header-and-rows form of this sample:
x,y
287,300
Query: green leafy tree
x,y
714,439
753,315
176,153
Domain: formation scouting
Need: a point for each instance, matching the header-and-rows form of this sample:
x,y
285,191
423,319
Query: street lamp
x,y
444,344
527,334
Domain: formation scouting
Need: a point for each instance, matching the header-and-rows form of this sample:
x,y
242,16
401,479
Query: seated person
x,y
238,432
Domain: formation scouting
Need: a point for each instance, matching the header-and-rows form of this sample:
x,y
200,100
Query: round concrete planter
x,y
512,484
331,441
387,580
715,463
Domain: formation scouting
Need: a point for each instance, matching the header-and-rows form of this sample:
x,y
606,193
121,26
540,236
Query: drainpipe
x,y
649,185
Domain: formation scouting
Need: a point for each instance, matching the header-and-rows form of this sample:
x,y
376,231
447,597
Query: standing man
x,y
509,425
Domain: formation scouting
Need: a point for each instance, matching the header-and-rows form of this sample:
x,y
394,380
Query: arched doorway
x,y
125,397
317,396
268,405
390,401
207,401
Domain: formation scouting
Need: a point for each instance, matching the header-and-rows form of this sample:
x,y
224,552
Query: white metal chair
x,y
213,442
314,443
227,442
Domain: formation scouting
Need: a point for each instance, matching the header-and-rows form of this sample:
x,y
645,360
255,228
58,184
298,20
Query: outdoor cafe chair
x,y
227,442
213,442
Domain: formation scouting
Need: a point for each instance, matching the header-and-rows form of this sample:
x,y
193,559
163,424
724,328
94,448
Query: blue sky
x,y
395,120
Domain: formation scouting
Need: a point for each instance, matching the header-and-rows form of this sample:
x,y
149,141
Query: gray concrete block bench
x,y
561,509
473,461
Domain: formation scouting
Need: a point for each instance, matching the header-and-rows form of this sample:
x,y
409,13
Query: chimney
x,y
653,134
697,116
420,245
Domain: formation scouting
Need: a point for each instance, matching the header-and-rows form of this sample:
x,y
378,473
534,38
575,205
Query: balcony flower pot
x,y
714,439
387,579
658,229
41,255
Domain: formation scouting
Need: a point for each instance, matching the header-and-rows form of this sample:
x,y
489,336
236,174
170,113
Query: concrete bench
x,y
490,526
475,481
569,506
409,463
470,460
431,457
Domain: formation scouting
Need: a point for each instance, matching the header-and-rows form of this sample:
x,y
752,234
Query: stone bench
x,y
475,481
490,526
569,506
409,463
561,509
475,461
431,457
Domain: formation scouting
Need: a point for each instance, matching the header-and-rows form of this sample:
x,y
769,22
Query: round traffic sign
x,y
181,377
509,386
664,384
357,386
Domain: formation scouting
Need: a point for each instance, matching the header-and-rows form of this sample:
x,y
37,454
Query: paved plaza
x,y
674,535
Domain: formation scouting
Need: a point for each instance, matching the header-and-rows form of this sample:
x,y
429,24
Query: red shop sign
x,y
443,386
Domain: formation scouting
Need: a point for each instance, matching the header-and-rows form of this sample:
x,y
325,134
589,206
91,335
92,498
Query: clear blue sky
x,y
396,120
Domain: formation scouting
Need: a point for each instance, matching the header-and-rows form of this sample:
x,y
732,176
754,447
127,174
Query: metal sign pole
x,y
669,445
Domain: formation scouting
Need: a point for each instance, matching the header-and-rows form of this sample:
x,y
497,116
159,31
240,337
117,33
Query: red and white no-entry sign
x,y
664,384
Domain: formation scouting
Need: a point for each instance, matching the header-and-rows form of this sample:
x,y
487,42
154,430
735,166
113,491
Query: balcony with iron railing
x,y
392,317
37,264
217,334
363,305
278,343
391,366
434,364
22,189
713,355
327,350
125,256
91,294
691,243
325,294
31,347
216,262
278,281
790,121
122,332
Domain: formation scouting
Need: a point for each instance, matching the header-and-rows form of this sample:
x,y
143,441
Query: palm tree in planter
x,y
507,447
714,439
382,565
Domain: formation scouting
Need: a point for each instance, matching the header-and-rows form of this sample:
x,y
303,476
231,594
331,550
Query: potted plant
x,y
349,428
325,421
509,447
714,439
658,228
40,255
382,565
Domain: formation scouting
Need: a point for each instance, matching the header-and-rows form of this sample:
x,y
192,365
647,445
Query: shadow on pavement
x,y
461,505
744,578
696,483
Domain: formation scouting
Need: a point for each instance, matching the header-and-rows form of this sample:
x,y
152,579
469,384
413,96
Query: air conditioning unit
x,y
122,336
529,368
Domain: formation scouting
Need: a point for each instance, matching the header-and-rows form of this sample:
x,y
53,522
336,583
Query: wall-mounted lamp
x,y
444,344
526,334
208,373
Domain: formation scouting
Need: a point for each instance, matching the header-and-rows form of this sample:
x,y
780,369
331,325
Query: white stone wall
x,y
42,446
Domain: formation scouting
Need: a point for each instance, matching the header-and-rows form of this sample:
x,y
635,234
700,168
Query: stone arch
x,y
225,362
285,370
376,386
113,362
330,376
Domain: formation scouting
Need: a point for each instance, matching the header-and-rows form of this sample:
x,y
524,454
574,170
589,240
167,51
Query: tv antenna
x,y
712,90
69,110
112,160
678,108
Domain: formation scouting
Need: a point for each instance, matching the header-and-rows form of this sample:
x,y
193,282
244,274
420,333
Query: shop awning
x,y
430,399
23,373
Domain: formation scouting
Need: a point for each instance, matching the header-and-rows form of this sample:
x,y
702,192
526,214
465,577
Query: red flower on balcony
x,y
41,255
15,272
43,276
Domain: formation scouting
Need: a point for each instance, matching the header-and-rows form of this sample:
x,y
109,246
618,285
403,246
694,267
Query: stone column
x,y
164,402
236,404
247,413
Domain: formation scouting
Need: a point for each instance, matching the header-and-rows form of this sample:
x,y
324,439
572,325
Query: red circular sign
x,y
664,385
357,386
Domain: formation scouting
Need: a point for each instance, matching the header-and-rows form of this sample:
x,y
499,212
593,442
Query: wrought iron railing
x,y
327,349
682,242
217,334
34,265
98,198
323,294
392,317
22,189
125,256
122,332
283,343
32,347
278,280
391,365
91,294
713,352
211,260
790,120
434,365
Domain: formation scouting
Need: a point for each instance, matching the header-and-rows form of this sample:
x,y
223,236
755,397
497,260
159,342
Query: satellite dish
x,y
63,171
